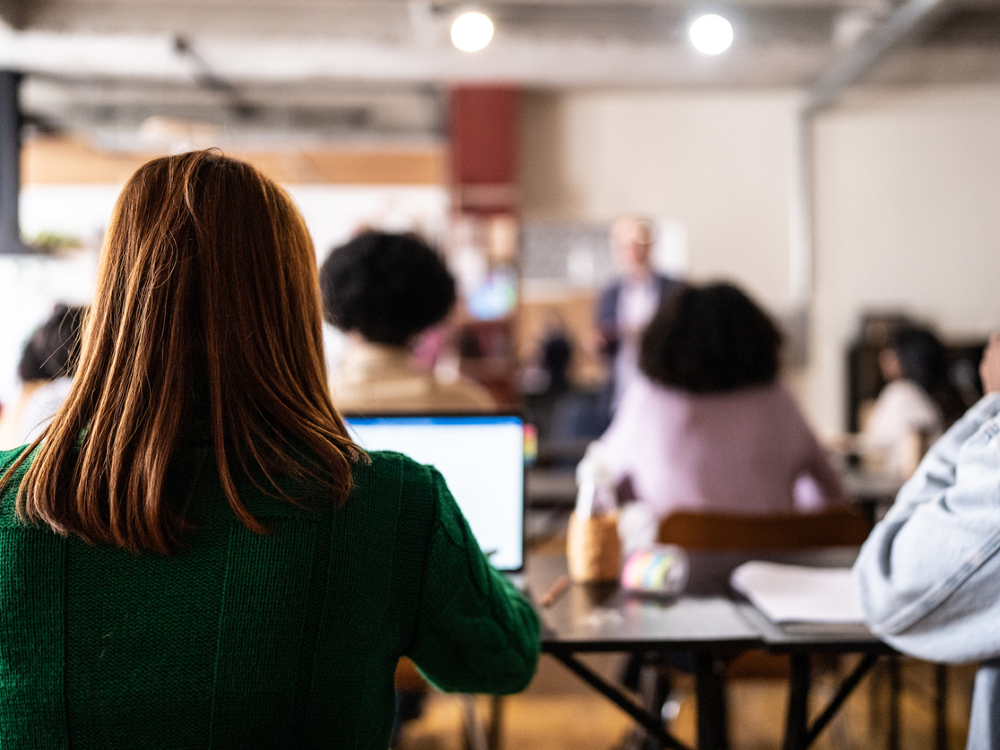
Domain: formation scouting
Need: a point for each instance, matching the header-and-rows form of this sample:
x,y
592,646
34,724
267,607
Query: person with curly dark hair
x,y
384,290
708,426
45,371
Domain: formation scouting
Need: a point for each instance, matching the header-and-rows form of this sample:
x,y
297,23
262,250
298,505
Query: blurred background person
x,y
47,365
626,307
917,404
707,425
384,290
549,374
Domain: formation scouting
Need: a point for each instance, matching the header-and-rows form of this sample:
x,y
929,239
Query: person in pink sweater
x,y
708,426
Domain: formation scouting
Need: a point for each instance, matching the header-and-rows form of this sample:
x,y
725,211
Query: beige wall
x,y
907,216
719,164
907,199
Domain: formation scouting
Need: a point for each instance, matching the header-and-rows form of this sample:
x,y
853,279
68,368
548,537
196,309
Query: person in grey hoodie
x,y
929,574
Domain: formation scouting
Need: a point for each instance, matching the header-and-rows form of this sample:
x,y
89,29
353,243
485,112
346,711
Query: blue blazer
x,y
607,310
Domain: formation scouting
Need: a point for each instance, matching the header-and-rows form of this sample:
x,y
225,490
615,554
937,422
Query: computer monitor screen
x,y
482,460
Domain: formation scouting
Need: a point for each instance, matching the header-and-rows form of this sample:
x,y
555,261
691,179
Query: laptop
x,y
481,457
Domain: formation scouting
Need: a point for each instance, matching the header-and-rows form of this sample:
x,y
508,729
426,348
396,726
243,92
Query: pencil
x,y
557,590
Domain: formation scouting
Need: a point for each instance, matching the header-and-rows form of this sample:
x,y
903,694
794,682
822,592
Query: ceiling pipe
x,y
902,24
16,13
205,77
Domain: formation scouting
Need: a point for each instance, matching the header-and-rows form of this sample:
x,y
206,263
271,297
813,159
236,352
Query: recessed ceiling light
x,y
711,34
472,31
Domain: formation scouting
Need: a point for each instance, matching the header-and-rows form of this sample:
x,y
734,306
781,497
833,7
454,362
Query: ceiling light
x,y
471,32
711,34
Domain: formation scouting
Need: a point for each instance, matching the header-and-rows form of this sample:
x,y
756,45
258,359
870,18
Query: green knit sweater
x,y
247,641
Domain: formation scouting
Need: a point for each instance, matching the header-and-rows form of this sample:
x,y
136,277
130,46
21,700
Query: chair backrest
x,y
785,531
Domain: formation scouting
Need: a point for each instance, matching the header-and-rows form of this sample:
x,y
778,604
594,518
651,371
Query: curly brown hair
x,y
710,339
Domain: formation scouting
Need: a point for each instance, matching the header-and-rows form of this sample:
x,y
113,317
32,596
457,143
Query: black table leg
x,y
876,689
799,734
895,687
797,720
656,691
496,722
842,694
941,706
713,726
649,722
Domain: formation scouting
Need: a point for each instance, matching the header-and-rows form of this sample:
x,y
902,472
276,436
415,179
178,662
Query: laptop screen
x,y
482,460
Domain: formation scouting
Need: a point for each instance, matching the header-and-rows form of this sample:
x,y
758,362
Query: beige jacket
x,y
376,378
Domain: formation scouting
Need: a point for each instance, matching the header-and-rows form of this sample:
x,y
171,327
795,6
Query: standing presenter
x,y
626,307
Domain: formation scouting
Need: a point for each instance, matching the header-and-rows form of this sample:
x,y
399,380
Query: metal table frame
x,y
712,725
709,665
710,656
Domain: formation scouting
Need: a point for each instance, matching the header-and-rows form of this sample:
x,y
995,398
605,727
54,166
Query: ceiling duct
x,y
139,114
207,79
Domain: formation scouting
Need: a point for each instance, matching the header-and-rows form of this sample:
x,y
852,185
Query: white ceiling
x,y
340,68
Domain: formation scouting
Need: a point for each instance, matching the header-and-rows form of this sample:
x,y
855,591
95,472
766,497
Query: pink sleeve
x,y
814,465
620,436
628,448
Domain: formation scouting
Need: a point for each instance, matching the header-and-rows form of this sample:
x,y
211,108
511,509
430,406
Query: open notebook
x,y
793,595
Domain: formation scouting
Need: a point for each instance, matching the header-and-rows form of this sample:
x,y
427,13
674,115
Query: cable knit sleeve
x,y
475,632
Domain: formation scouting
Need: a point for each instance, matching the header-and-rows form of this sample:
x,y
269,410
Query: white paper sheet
x,y
793,593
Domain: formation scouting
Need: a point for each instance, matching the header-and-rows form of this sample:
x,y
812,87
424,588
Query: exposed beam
x,y
905,22
20,14
10,165
14,13
209,80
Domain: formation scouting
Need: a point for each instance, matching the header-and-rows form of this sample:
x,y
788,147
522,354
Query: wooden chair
x,y
774,532
784,531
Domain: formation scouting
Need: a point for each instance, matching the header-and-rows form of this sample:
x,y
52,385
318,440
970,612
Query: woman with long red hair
x,y
194,553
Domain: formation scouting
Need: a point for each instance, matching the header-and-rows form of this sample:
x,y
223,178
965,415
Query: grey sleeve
x,y
929,574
